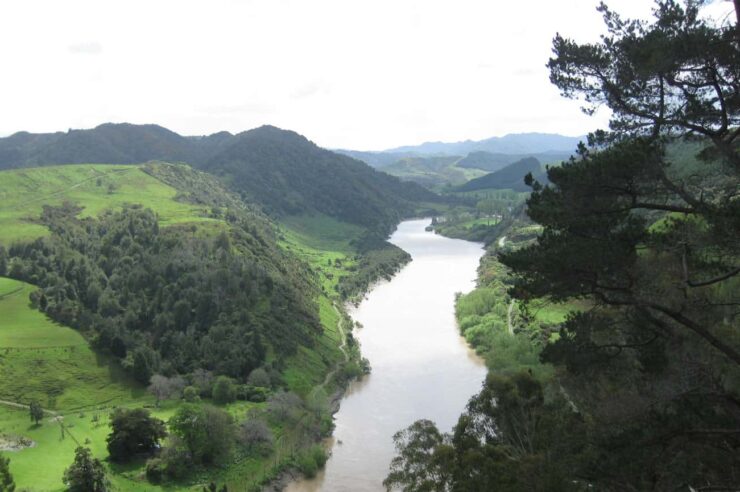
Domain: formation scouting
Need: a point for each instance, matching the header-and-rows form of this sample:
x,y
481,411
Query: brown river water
x,y
421,367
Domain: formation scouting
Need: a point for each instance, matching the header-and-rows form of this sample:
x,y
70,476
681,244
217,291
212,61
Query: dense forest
x,y
171,300
637,388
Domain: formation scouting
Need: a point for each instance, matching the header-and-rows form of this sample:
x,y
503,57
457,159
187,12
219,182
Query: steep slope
x,y
288,174
510,177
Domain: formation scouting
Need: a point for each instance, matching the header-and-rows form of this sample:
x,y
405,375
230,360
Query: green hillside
x,y
433,171
510,177
97,187
121,272
51,363
279,170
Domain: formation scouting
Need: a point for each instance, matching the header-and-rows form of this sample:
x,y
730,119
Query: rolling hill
x,y
493,161
510,177
280,170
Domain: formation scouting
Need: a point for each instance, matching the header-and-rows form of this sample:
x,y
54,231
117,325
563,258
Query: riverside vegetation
x,y
143,299
620,369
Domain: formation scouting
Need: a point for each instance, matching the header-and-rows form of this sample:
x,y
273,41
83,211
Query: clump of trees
x,y
165,301
643,224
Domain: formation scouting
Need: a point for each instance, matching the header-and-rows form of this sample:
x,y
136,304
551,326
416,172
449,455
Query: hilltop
x,y
280,170
510,177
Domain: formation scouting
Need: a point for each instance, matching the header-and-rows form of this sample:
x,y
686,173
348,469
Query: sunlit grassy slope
x,y
96,187
53,364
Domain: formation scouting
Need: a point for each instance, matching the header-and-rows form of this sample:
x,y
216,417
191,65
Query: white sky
x,y
362,74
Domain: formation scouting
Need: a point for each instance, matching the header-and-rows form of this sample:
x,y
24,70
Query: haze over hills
x,y
281,170
510,177
514,143
465,160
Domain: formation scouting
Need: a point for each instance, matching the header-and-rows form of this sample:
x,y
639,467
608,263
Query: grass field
x,y
323,243
40,467
53,364
96,187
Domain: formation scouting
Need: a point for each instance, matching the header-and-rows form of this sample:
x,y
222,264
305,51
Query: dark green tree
x,y
645,226
206,432
7,484
134,432
86,474
224,390
36,412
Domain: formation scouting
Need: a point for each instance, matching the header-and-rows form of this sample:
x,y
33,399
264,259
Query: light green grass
x,y
322,242
325,244
40,468
25,327
482,221
309,366
53,364
96,187
552,313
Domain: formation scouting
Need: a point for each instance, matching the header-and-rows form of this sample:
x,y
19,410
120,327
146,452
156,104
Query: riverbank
x,y
410,337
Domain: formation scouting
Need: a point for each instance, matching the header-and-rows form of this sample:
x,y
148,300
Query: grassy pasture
x,y
323,243
40,468
96,187
53,364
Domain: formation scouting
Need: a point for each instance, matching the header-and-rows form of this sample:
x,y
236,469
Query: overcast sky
x,y
362,74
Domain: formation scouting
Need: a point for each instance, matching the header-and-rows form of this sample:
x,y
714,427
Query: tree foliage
x,y
7,484
206,432
134,432
165,300
36,412
86,474
641,230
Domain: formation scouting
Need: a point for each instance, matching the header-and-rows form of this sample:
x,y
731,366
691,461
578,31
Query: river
x,y
421,366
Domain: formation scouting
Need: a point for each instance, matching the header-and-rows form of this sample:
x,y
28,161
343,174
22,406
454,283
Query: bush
x,y
155,470
311,460
174,462
255,393
259,377
255,436
206,432
191,394
224,390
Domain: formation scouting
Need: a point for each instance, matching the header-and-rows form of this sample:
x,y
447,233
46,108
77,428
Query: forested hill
x,y
281,170
289,174
510,177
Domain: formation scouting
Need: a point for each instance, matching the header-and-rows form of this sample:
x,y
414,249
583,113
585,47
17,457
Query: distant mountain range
x,y
281,170
517,144
439,164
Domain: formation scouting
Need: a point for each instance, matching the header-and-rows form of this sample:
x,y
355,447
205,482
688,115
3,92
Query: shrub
x,y
259,377
191,394
224,390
